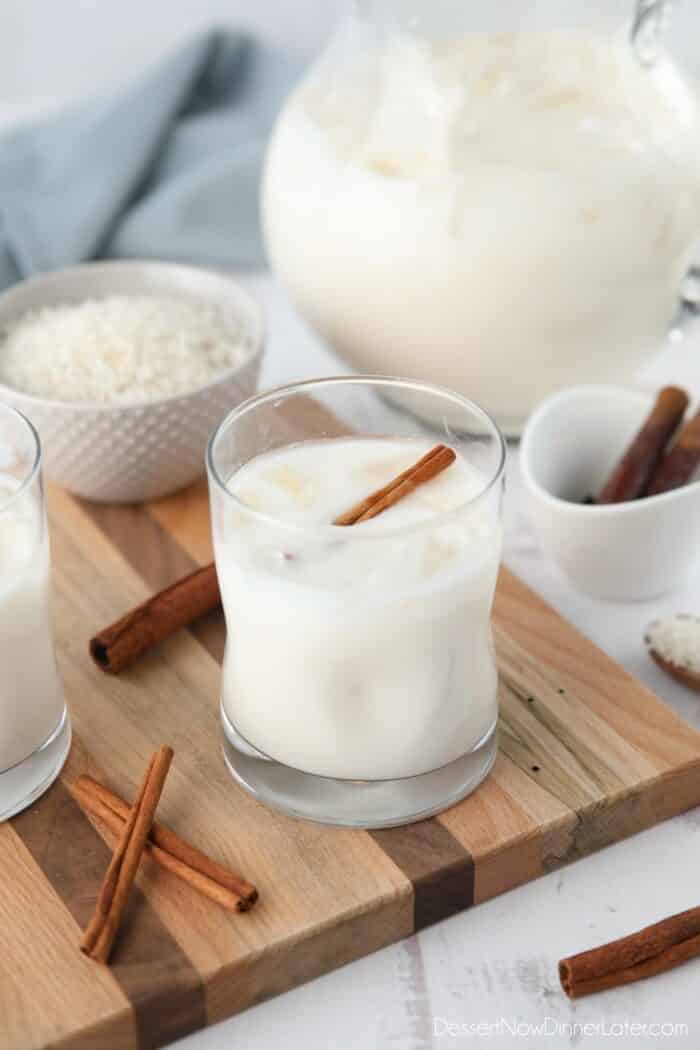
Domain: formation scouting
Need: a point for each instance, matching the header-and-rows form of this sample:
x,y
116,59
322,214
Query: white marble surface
x,y
495,965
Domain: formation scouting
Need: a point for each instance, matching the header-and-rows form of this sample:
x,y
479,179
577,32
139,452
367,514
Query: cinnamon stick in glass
x,y
432,463
122,643
633,472
650,951
679,464
168,850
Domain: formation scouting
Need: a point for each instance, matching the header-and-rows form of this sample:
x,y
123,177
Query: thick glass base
x,y
28,780
355,803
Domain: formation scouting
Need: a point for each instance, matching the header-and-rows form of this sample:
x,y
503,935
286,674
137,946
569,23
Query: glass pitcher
x,y
499,197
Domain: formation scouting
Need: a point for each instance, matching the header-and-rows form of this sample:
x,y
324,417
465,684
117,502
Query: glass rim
x,y
34,468
320,529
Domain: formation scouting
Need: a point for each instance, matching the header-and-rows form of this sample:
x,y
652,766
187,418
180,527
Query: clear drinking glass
x,y
498,196
34,725
359,683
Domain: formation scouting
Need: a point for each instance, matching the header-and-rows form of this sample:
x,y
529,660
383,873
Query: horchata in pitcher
x,y
499,197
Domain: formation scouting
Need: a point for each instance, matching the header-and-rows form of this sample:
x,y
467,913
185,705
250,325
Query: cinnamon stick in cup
x,y
650,951
431,464
122,643
632,474
680,462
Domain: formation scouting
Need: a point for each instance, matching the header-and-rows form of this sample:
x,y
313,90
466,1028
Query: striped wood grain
x,y
588,756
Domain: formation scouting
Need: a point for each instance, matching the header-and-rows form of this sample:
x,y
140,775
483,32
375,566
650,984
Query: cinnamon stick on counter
x,y
654,949
122,643
680,462
632,474
119,877
168,850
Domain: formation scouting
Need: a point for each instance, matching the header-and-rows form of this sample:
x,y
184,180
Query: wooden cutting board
x,y
587,756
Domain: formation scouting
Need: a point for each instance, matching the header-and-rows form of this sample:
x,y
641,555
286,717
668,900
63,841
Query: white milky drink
x,y
362,652
31,698
504,213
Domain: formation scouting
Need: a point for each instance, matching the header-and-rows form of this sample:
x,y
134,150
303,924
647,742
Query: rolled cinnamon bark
x,y
169,850
111,876
119,877
428,466
633,473
650,951
97,799
680,462
120,644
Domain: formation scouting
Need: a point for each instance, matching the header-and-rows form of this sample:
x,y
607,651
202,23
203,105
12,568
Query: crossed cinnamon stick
x,y
102,929
139,833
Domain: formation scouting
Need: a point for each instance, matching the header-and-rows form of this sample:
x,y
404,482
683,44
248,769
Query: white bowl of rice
x,y
125,368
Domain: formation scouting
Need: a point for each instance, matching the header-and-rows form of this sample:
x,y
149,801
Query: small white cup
x,y
620,552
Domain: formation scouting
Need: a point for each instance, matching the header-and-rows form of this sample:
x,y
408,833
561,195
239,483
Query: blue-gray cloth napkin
x,y
168,168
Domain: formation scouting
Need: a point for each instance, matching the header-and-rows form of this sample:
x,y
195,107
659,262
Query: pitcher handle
x,y
649,25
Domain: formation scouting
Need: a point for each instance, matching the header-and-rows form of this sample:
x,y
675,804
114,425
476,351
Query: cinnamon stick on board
x,y
168,850
109,882
119,877
122,643
650,951
680,462
631,475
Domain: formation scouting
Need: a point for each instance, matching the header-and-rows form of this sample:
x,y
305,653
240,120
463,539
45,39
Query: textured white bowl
x,y
125,453
622,551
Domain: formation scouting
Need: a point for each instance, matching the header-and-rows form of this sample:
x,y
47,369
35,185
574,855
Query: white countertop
x,y
496,964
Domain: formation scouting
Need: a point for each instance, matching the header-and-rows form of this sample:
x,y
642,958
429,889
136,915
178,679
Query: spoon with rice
x,y
674,644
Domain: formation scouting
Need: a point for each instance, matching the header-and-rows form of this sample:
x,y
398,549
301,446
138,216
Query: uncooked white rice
x,y
121,348
677,640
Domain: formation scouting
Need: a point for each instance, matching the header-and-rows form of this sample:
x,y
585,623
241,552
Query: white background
x,y
499,960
